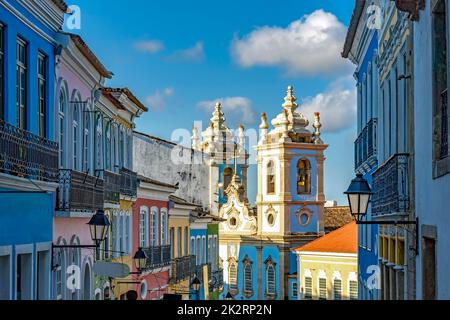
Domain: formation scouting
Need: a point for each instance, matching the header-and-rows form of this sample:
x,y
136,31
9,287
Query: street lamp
x,y
98,225
140,260
195,285
359,194
229,296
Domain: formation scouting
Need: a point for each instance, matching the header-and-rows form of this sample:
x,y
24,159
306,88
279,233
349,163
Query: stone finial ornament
x,y
290,99
264,124
285,127
264,127
241,138
317,125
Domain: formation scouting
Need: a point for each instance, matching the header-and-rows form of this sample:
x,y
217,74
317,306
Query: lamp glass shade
x,y
98,226
140,259
196,284
359,194
353,200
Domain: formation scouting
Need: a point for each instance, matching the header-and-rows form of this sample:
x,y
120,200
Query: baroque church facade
x,y
255,243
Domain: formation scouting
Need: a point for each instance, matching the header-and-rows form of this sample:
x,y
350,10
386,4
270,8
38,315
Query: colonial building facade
x,y
255,246
432,159
28,147
386,154
361,47
327,267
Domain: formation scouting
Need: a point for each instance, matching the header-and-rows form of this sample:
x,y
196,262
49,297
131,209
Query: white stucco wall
x,y
432,195
169,163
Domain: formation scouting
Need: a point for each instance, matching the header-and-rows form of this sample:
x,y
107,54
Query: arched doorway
x,y
87,283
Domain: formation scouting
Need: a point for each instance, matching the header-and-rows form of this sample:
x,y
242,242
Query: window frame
x,y
270,285
42,96
2,71
308,289
233,277
154,226
163,224
21,70
247,278
307,168
271,178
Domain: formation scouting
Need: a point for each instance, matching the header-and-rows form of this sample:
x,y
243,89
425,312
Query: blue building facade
x,y
28,153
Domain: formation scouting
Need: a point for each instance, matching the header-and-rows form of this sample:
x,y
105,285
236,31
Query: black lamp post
x,y
140,261
98,226
359,193
195,285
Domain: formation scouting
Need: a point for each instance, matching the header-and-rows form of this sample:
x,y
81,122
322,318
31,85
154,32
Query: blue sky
x,y
178,55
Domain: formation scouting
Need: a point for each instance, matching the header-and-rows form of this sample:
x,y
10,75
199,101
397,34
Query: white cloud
x,y
337,106
310,45
195,53
236,109
149,46
157,101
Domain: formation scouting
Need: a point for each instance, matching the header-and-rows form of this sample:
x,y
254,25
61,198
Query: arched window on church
x,y
248,277
270,178
227,175
270,281
303,177
232,277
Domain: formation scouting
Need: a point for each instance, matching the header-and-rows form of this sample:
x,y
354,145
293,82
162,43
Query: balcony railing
x,y
444,125
390,186
27,155
183,268
215,279
157,256
79,191
366,144
128,183
112,186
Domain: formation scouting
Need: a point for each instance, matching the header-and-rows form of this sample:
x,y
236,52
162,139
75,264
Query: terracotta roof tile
x,y
342,240
156,182
130,95
336,217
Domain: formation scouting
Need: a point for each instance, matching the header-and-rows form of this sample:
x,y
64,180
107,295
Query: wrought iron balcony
x,y
112,182
444,125
391,186
215,278
157,257
182,268
128,183
79,191
366,146
27,155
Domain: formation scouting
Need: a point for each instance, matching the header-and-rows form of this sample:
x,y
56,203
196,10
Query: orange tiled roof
x,y
342,240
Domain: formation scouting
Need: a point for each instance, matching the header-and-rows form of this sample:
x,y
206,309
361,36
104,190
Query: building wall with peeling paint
x,y
168,162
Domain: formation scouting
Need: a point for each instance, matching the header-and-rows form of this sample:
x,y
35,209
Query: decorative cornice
x,y
411,6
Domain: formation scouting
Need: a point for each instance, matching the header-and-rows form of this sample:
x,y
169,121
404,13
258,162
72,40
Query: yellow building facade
x,y
328,266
